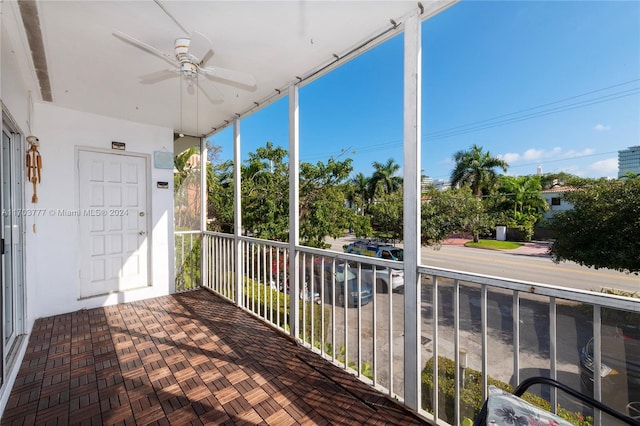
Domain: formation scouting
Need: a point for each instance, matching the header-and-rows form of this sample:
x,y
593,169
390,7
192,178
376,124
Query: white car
x,y
385,278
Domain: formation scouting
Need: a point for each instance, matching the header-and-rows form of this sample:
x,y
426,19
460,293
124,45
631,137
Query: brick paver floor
x,y
189,358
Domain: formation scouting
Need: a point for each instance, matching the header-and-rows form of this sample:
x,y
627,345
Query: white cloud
x,y
601,127
571,169
510,157
608,167
573,153
533,154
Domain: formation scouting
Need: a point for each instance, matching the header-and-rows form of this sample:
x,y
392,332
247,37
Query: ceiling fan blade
x,y
242,78
144,46
205,58
158,76
200,45
211,92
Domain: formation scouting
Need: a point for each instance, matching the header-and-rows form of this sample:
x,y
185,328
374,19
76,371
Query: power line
x,y
450,132
565,159
556,110
537,106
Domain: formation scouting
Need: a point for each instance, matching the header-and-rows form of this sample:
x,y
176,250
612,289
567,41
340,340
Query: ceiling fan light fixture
x,y
190,71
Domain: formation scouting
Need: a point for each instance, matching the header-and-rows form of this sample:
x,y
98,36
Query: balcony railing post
x,y
203,210
237,216
294,221
412,135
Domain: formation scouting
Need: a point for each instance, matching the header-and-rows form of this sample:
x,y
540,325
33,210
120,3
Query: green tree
x,y
550,180
384,180
603,229
358,194
438,214
453,210
220,196
523,202
322,201
475,168
265,193
265,197
186,189
387,215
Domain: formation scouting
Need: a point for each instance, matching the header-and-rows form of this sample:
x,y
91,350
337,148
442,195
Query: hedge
x,y
471,395
264,297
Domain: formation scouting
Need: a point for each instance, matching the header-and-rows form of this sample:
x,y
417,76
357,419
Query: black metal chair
x,y
586,399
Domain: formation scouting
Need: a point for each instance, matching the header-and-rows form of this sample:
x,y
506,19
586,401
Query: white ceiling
x,y
276,41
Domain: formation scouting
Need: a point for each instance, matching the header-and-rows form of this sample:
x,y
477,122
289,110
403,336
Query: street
x,y
519,264
537,268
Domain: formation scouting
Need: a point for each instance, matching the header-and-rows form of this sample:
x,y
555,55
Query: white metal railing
x,y
491,330
188,256
476,330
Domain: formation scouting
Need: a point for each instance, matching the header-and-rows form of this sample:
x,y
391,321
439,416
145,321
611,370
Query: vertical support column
x,y
237,215
203,211
412,151
203,184
294,202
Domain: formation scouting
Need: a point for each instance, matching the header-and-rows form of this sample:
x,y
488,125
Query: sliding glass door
x,y
11,246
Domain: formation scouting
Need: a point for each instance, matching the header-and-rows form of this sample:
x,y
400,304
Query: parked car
x,y
344,275
306,294
620,367
385,278
375,249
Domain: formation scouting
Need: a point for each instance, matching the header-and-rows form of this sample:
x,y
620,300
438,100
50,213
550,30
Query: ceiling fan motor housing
x,y
182,49
187,61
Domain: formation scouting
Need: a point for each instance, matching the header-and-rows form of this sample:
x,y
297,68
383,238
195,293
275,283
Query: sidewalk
x,y
534,248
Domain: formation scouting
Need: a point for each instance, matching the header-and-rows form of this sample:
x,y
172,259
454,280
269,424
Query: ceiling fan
x,y
189,59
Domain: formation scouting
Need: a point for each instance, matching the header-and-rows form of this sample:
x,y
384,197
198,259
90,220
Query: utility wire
x,y
536,107
565,159
555,110
464,128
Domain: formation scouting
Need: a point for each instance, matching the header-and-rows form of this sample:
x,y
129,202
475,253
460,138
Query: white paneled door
x,y
113,214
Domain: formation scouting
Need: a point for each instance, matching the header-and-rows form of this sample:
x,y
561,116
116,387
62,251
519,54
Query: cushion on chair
x,y
506,409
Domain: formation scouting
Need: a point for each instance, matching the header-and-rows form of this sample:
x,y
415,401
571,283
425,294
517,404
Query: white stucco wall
x,y
564,205
52,240
14,90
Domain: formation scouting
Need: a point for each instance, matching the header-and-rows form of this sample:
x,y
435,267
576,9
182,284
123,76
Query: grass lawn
x,y
494,245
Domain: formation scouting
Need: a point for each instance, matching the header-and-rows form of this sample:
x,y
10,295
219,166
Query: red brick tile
x,y
183,359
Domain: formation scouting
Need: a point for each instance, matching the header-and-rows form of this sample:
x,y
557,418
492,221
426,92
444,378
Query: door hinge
x,y
2,246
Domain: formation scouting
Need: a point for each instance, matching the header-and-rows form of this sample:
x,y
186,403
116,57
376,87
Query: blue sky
x,y
549,83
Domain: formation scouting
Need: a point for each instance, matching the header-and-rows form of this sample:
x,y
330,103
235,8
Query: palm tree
x,y
186,187
384,178
524,193
359,192
475,168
